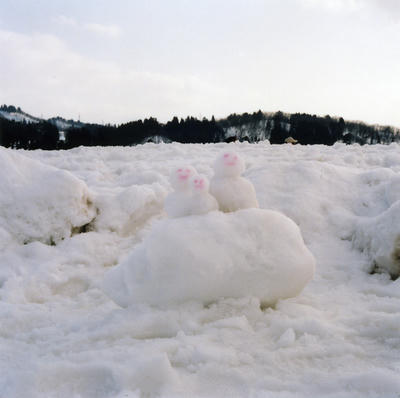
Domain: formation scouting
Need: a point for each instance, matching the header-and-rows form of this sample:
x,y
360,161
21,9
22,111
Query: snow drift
x,y
250,252
39,202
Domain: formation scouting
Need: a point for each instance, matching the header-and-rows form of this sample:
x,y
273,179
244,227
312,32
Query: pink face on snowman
x,y
199,183
184,173
180,177
228,164
230,159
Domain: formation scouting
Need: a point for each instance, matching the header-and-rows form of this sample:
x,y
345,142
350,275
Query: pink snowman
x,y
232,191
178,202
201,201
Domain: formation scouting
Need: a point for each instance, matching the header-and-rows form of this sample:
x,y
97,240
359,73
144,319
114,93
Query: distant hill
x,y
16,114
18,129
63,124
10,112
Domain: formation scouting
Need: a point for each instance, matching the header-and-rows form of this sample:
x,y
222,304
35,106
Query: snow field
x,y
62,336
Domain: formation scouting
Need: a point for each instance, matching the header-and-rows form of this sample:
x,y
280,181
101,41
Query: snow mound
x,y
379,237
251,252
40,202
130,209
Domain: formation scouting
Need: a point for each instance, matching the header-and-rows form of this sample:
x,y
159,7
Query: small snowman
x,y
178,202
201,201
232,191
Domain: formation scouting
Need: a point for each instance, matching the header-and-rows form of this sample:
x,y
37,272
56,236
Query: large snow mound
x,y
40,202
251,252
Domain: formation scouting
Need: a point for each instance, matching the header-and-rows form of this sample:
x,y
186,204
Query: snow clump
x,y
251,252
379,237
128,210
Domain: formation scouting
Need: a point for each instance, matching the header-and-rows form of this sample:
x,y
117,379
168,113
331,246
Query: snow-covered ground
x,y
62,336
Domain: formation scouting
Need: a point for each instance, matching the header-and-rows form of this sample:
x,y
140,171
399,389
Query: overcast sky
x,y
115,61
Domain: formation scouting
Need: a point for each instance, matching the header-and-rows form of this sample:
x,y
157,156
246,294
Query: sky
x,y
112,62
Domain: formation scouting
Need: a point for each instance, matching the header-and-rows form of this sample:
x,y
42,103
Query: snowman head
x,y
199,184
228,164
180,177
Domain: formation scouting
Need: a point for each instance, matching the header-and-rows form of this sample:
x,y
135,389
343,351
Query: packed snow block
x,y
40,202
379,237
251,252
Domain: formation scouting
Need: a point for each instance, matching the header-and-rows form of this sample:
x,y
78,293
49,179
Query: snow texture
x,y
62,336
232,191
252,252
379,237
39,202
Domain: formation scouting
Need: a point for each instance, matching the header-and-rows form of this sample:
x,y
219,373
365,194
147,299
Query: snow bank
x,y
251,252
379,237
39,202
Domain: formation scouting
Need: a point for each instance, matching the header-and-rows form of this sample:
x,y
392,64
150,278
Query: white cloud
x,y
64,20
388,6
42,75
112,31
334,5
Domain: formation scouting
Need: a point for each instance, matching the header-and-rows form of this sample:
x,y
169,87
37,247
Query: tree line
x,y
23,135
251,127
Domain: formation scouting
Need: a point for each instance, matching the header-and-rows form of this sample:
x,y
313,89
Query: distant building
x,y
291,140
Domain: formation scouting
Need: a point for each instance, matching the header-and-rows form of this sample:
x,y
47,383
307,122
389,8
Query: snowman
x,y
201,201
232,191
178,202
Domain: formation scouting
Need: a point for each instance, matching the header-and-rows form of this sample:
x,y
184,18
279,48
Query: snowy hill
x,y
62,336
13,113
17,115
63,124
